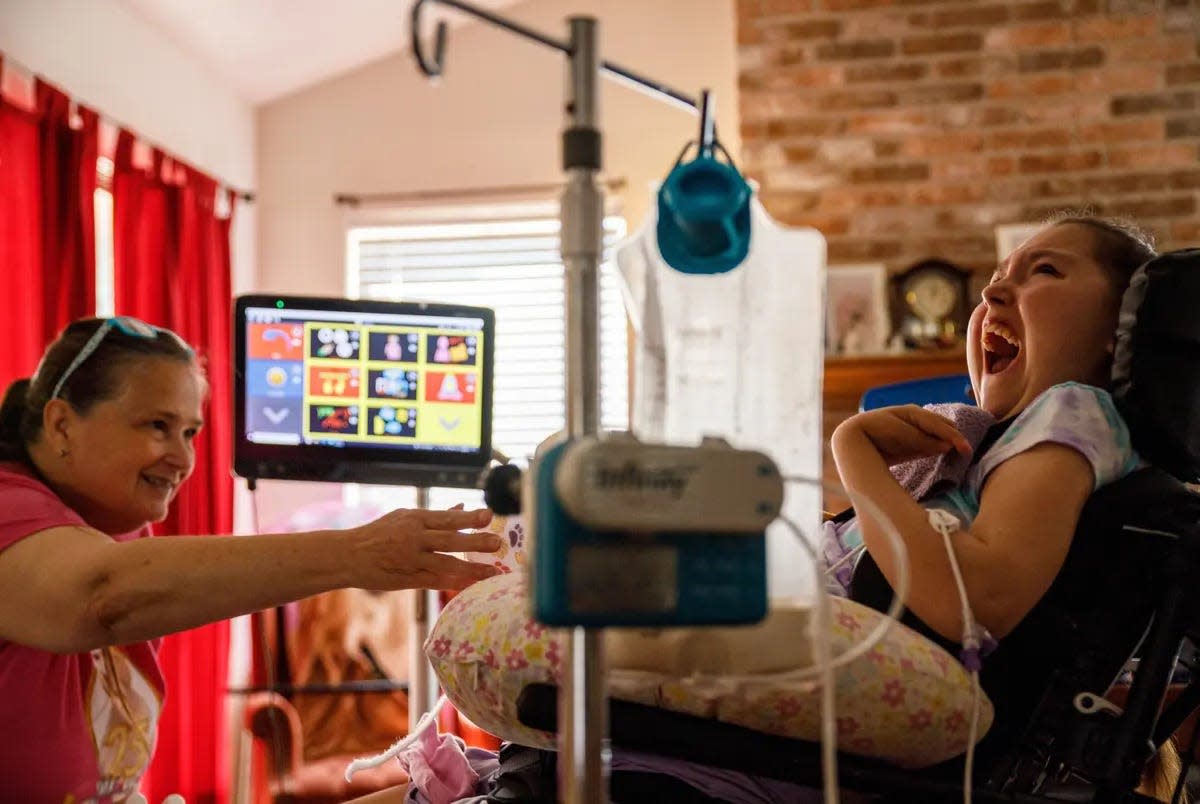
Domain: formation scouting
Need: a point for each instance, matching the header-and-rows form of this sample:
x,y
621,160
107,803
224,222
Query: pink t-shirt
x,y
66,737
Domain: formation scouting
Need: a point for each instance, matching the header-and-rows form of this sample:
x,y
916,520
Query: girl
x,y
1039,354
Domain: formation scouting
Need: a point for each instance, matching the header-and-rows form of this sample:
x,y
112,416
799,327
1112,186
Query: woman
x,y
93,449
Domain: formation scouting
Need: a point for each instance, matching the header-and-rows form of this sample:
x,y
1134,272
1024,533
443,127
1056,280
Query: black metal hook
x,y
431,69
708,124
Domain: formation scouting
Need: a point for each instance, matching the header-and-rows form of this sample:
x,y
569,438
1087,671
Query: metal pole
x,y
582,706
422,691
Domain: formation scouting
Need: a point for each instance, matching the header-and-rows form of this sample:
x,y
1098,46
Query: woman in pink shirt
x,y
93,448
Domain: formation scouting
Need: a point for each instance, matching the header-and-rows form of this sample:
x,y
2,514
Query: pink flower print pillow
x,y
906,700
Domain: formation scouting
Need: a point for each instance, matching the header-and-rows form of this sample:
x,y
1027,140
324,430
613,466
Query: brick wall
x,y
905,129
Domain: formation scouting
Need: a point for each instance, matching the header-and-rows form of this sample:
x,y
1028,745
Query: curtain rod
x,y
357,199
8,61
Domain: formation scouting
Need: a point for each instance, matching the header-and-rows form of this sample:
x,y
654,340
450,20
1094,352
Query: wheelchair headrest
x,y
1156,363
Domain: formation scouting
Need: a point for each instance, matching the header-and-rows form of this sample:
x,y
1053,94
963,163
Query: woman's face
x,y
129,455
1048,316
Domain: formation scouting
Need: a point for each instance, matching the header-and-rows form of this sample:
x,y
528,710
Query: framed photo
x,y
1011,235
856,310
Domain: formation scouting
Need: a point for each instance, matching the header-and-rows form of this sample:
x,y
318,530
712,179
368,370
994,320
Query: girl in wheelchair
x,y
997,524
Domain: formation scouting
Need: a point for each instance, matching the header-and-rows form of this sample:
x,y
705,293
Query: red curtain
x,y
47,225
173,269
21,316
68,188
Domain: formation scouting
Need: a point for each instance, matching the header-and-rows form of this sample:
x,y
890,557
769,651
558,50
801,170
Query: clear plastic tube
x,y
903,580
825,663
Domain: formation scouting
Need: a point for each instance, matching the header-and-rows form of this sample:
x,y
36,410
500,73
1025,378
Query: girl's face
x,y
129,455
1048,316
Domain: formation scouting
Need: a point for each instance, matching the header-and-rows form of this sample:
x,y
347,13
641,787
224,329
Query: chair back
x,y
1119,594
1156,365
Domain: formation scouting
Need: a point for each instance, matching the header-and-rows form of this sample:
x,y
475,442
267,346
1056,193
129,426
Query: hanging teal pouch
x,y
704,216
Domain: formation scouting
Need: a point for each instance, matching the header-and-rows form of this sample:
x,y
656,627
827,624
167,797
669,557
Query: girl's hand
x,y
406,549
905,432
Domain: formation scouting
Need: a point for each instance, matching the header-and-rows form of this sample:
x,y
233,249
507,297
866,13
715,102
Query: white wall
x,y
493,120
109,59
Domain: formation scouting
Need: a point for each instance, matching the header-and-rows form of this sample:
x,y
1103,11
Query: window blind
x,y
506,258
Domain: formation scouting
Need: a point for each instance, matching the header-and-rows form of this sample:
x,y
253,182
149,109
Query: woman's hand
x,y
406,549
904,432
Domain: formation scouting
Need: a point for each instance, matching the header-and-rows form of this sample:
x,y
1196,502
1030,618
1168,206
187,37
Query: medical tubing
x,y
821,650
850,556
900,592
946,523
972,736
365,763
825,665
971,643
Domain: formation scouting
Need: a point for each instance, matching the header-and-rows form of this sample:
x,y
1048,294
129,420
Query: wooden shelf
x,y
846,378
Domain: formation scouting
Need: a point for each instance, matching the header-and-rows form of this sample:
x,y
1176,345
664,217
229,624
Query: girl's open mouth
x,y
1000,346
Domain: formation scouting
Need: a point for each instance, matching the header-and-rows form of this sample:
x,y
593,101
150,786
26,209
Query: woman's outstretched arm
x,y
72,589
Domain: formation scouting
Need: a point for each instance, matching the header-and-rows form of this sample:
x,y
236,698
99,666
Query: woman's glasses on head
x,y
124,324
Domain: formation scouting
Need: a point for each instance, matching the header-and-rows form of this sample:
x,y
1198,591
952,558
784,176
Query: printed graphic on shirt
x,y
122,709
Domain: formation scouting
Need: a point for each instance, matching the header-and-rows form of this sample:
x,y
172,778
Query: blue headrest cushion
x,y
1156,363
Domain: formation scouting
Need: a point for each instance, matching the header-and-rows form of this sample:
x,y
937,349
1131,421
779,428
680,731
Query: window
x,y
505,257
105,257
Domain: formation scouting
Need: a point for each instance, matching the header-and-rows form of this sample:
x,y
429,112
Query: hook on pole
x,y
432,68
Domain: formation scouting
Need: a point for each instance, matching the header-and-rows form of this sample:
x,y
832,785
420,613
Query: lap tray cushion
x,y
906,700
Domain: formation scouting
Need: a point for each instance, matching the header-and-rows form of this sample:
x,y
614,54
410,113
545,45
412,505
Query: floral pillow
x,y
485,648
906,700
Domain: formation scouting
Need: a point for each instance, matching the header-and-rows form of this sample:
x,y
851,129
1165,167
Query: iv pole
x,y
584,750
583,702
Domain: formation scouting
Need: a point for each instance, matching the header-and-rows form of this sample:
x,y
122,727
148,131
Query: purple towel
x,y
921,476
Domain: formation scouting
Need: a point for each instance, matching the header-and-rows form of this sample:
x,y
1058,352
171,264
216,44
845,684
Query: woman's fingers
x,y
455,520
449,571
452,541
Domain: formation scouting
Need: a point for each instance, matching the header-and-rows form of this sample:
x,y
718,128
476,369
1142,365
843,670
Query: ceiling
x,y
265,49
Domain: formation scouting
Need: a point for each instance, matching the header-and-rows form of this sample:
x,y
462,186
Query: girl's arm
x,y
1009,556
72,589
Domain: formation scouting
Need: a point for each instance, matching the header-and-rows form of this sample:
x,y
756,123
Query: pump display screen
x,y
344,387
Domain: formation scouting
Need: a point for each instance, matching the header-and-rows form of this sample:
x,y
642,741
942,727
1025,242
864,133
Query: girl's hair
x,y
100,377
1120,245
